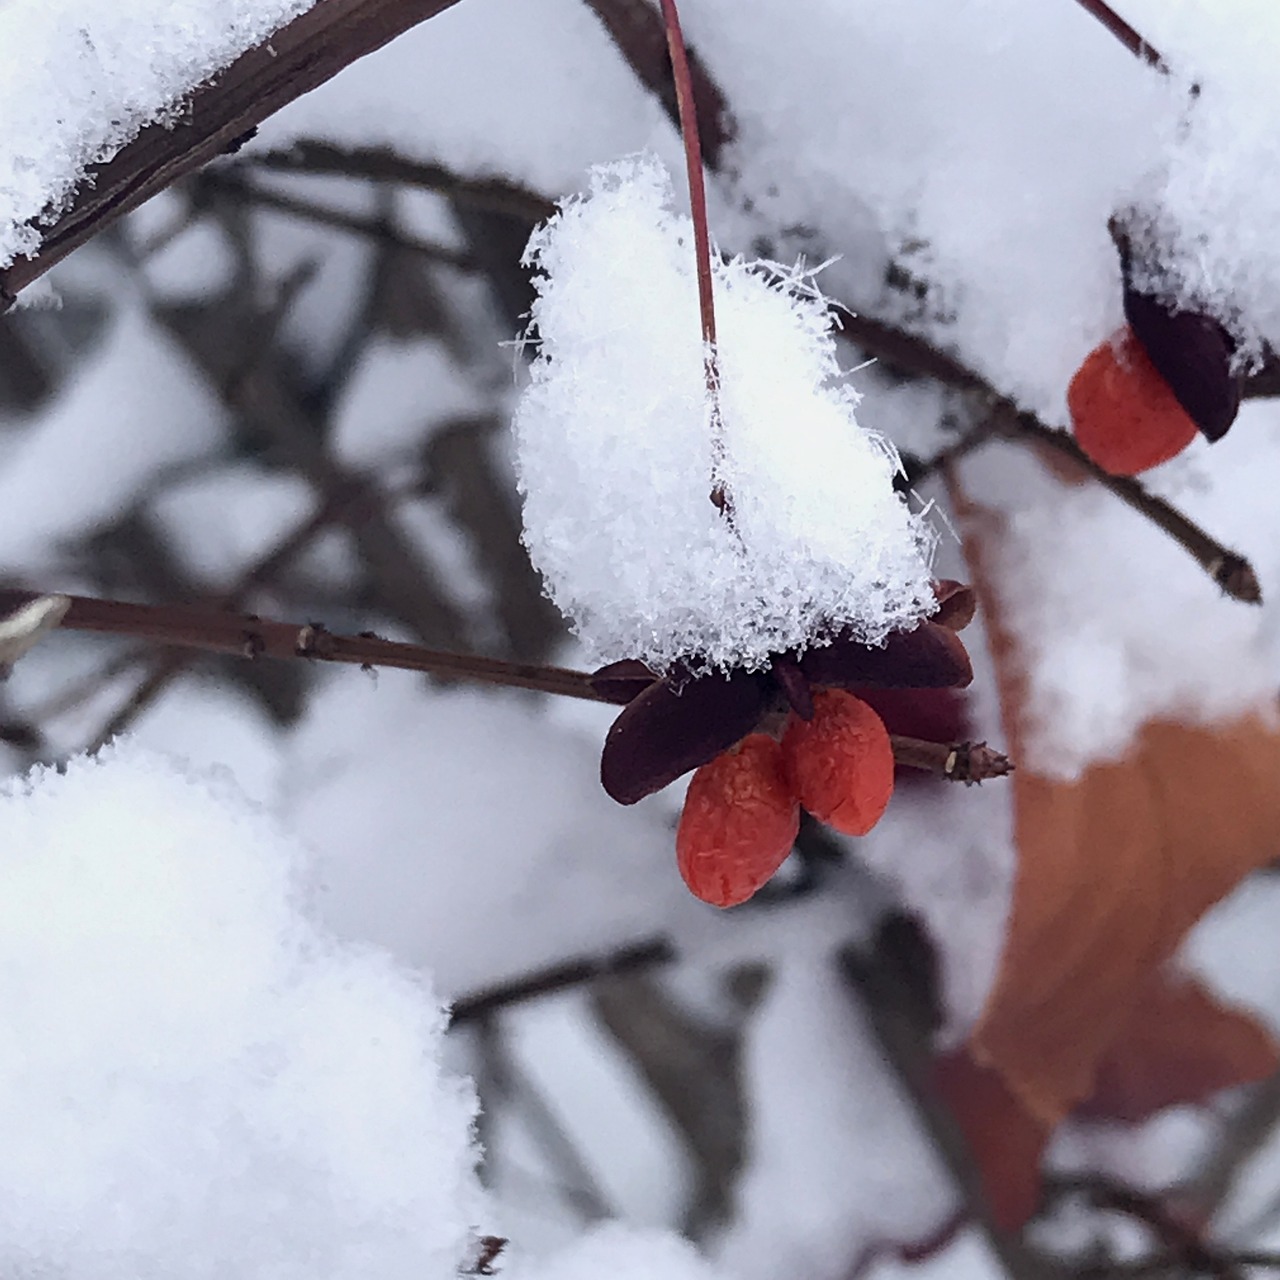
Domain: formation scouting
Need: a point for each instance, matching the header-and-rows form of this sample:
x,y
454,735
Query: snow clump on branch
x,y
617,456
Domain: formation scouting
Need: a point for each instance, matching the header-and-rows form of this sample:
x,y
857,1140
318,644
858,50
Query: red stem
x,y
701,236
1127,35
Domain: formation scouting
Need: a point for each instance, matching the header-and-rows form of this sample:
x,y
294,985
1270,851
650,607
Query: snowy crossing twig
x,y
299,57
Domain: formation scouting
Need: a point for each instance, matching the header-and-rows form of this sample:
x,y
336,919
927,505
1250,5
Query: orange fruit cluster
x,y
1126,417
742,810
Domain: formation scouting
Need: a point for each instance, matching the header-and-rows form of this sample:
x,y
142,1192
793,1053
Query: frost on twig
x,y
615,449
21,630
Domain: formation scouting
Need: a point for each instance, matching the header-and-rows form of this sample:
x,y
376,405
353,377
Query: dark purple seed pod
x,y
662,733
930,657
957,604
1192,352
620,682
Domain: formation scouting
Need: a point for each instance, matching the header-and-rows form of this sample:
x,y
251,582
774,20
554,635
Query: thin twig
x,y
313,156
1230,570
967,762
634,958
251,637
639,33
375,229
247,636
1126,34
688,112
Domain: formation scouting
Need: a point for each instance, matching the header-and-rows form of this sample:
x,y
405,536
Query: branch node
x,y
1235,575
975,762
314,642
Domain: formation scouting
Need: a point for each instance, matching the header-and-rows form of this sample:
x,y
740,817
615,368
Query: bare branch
x,y
1230,570
299,57
245,636
967,762
634,958
379,164
638,31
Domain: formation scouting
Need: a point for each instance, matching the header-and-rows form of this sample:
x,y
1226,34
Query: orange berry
x,y
1125,415
840,762
739,822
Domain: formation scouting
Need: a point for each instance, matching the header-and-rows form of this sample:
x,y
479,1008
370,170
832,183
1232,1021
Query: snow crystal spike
x,y
930,657
620,682
792,681
1192,352
662,734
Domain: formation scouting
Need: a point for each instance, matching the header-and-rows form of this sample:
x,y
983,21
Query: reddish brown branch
x,y
1230,570
636,27
688,112
251,637
299,57
246,636
966,762
1126,34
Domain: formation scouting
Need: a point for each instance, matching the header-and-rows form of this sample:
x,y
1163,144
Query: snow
x,y
1117,625
839,1164
619,1252
462,828
74,90
489,86
1213,209
978,147
197,1080
616,453
110,432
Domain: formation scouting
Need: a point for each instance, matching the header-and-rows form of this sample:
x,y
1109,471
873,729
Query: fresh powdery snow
x,y
194,1080
615,445
198,1082
77,83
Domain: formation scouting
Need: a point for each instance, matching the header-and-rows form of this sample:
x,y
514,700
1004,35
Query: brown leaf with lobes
x,y
1179,1045
1113,869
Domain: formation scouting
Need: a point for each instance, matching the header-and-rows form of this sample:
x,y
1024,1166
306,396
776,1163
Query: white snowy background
x,y
236,931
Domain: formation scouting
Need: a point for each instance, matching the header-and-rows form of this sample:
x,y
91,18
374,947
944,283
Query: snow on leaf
x,y
616,450
1114,867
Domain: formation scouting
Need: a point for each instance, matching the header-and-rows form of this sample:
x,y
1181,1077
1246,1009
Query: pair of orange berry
x,y
742,811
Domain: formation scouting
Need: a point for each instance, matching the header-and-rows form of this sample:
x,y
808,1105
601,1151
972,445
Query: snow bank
x,y
194,1080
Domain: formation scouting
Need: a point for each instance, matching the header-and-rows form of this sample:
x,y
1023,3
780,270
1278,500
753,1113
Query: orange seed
x,y
739,822
841,762
1126,418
